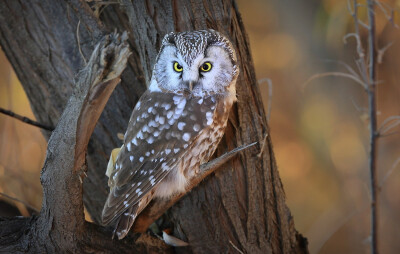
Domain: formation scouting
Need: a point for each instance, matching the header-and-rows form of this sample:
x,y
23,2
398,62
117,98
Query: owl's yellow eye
x,y
206,67
177,67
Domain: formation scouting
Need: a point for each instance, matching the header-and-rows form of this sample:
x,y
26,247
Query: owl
x,y
176,125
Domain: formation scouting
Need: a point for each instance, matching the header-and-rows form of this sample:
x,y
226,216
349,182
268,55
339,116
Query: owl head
x,y
198,63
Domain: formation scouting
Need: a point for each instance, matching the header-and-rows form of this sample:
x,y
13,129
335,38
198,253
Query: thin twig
x,y
263,146
345,65
388,124
337,74
20,201
269,95
26,120
381,52
78,41
357,107
360,50
236,248
389,173
390,17
373,126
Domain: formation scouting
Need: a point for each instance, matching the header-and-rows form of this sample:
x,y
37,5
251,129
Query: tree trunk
x,y
240,207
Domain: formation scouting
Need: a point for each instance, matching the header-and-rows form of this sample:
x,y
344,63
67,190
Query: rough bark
x,y
241,206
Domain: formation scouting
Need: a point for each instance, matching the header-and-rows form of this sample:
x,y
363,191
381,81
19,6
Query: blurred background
x,y
319,128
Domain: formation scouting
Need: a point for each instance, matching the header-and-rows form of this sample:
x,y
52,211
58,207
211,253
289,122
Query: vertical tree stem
x,y
373,134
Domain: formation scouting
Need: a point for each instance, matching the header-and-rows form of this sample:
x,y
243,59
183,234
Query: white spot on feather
x,y
150,140
145,128
131,158
177,99
167,106
181,125
186,136
209,117
181,104
153,123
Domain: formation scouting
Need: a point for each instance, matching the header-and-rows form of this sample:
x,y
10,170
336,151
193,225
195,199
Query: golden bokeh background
x,y
319,128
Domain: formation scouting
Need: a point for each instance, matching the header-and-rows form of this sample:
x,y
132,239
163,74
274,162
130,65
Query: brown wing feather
x,y
161,127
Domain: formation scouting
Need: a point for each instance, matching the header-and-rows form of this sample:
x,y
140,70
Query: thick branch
x,y
60,226
65,159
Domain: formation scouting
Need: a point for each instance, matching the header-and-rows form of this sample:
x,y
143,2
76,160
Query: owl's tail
x,y
125,221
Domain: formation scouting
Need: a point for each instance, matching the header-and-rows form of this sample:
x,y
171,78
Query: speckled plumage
x,y
176,125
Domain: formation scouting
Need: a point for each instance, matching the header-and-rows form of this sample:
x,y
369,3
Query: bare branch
x,y
372,127
389,17
269,95
389,173
236,248
79,42
336,74
348,67
382,51
384,128
26,120
357,107
20,201
263,146
360,49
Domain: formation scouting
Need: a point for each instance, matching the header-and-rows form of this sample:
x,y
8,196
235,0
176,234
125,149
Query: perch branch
x,y
158,207
26,120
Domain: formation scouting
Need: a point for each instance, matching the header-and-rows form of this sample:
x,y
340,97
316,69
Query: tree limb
x,y
26,120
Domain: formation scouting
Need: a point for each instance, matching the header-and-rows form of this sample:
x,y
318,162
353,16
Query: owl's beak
x,y
190,86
